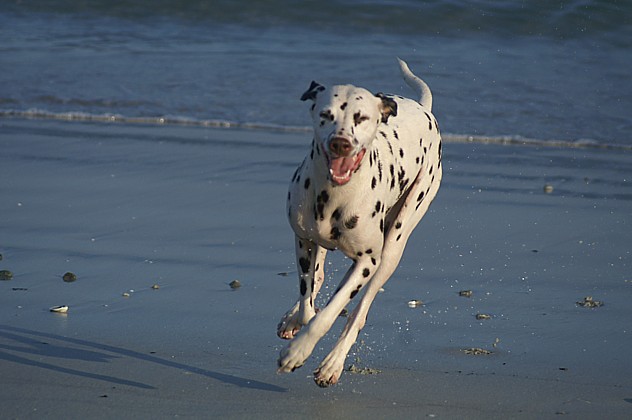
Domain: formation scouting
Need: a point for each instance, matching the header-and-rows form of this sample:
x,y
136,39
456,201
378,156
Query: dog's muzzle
x,y
341,160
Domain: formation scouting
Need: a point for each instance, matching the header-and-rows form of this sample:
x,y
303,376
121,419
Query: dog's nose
x,y
340,146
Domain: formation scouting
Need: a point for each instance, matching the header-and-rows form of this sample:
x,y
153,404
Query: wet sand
x,y
190,209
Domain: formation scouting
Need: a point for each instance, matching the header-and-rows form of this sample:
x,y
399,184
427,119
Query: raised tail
x,y
418,85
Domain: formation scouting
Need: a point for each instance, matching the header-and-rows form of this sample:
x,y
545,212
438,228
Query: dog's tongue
x,y
342,168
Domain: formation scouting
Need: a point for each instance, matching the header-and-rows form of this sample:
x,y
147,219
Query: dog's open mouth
x,y
341,168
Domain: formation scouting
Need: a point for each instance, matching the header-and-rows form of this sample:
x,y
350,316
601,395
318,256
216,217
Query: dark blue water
x,y
546,70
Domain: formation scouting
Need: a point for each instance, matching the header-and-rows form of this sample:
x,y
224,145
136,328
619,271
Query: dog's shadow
x,y
30,342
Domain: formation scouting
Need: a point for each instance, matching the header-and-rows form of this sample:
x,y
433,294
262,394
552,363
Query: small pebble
x,y
155,287
6,275
548,189
483,316
62,309
125,294
69,277
235,284
465,293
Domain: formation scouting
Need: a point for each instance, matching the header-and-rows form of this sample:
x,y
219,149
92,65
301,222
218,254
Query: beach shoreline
x,y
530,230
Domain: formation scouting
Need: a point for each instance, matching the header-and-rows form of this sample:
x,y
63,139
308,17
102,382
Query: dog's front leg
x,y
310,262
298,350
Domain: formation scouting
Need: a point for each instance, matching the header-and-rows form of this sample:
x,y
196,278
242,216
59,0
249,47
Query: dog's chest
x,y
350,216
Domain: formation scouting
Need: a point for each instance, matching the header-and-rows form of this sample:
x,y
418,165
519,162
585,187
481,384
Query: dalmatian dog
x,y
373,169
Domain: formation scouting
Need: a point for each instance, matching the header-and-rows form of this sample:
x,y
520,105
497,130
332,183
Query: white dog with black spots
x,y
373,170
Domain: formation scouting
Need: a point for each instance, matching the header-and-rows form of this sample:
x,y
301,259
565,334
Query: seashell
x,y
62,309
414,303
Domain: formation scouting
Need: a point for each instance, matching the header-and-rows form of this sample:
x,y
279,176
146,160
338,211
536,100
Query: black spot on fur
x,y
401,153
336,214
378,206
343,106
398,225
430,171
383,134
303,288
373,261
304,262
355,292
399,237
359,254
351,223
373,183
395,134
382,225
366,272
369,251
322,198
379,170
421,196
335,233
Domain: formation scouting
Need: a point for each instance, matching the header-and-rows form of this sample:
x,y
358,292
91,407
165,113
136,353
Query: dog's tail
x,y
418,85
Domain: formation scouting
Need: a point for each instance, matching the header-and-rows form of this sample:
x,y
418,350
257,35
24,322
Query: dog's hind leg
x,y
311,272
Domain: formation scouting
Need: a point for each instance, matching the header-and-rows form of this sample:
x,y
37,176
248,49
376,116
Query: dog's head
x,y
346,119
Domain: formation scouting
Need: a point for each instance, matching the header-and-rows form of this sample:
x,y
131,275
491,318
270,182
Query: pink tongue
x,y
340,166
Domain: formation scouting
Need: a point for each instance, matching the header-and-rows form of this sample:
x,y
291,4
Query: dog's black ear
x,y
389,107
312,91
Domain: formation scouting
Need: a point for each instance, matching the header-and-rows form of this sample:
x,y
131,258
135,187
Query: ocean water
x,y
553,72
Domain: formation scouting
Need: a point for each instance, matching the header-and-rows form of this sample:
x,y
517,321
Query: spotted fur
x,y
373,169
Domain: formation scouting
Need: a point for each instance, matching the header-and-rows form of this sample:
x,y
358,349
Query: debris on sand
x,y
363,371
475,351
235,284
589,302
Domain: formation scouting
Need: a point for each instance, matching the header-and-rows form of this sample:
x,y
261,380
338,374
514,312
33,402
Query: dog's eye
x,y
357,118
327,115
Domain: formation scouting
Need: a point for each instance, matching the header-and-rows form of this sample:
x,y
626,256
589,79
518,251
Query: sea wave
x,y
560,19
168,120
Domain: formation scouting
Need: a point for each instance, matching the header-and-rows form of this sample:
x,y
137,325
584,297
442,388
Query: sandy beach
x,y
530,231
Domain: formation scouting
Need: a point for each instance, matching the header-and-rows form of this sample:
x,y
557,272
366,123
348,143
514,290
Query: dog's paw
x,y
293,356
292,322
289,325
329,372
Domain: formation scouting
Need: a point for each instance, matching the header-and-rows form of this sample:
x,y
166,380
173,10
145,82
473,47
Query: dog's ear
x,y
389,107
312,91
